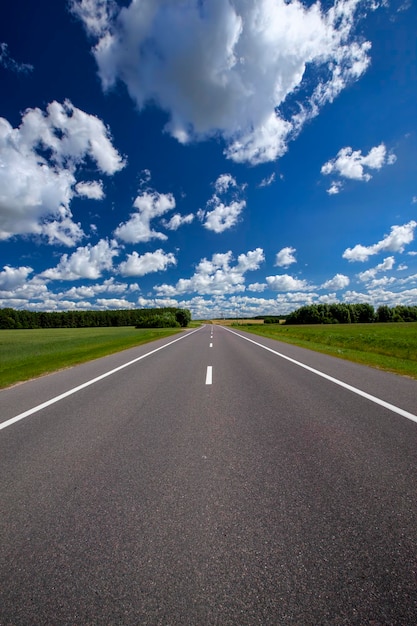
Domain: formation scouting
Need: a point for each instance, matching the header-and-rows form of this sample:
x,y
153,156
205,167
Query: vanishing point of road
x,y
210,478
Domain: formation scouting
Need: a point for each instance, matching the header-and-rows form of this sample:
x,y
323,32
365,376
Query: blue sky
x,y
227,156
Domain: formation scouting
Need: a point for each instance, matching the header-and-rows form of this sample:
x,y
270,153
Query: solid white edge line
x,y
39,407
209,375
336,381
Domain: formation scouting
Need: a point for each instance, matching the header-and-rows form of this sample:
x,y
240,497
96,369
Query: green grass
x,y
391,347
25,354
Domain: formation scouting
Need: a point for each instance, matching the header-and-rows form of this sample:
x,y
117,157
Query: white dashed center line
x,y
209,375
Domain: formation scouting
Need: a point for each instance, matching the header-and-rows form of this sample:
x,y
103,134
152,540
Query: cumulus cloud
x,y
399,237
10,64
223,216
113,303
225,206
217,276
13,277
178,220
200,62
86,262
109,286
258,287
93,190
139,265
149,205
39,162
387,264
285,257
285,282
334,188
354,165
339,281
28,293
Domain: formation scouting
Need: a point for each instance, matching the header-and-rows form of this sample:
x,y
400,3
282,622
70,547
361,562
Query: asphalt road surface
x,y
209,481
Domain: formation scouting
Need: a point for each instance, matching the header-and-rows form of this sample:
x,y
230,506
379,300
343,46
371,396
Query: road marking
x,y
39,407
336,381
209,375
211,345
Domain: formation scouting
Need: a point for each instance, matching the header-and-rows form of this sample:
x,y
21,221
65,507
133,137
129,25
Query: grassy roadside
x,y
25,354
391,347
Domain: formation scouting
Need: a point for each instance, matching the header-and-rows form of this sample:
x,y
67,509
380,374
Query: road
x,y
209,481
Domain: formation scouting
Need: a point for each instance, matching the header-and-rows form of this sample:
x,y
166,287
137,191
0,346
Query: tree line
x,y
351,314
167,317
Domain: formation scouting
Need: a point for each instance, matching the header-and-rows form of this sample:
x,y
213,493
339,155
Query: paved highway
x,y
208,479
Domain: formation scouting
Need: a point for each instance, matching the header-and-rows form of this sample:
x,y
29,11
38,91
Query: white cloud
x,y
285,257
352,164
223,216
113,303
334,188
109,286
258,287
285,282
339,281
399,237
86,262
138,228
95,14
265,182
178,220
13,277
147,263
200,62
10,64
71,135
387,264
90,189
224,182
410,279
217,276
38,167
226,214
26,295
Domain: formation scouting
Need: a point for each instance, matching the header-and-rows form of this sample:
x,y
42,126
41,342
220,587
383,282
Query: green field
x,y
391,347
25,354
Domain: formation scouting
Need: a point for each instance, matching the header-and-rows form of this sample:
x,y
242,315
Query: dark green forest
x,y
351,314
168,317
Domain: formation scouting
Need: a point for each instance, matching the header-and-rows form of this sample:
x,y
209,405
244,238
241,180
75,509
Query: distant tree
x,y
384,314
8,319
183,317
332,314
159,320
272,319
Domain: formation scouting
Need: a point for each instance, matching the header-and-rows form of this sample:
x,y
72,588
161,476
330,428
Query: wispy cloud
x,y
265,182
399,237
10,64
